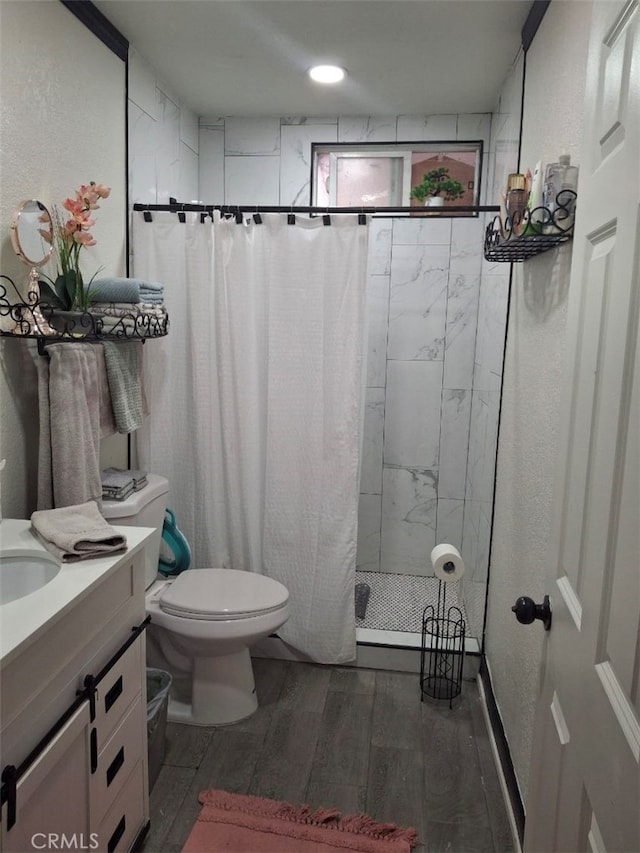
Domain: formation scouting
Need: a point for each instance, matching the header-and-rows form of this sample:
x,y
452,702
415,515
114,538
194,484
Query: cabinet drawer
x,y
126,817
122,752
117,690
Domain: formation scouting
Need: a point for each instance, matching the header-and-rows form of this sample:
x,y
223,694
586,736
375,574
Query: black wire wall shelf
x,y
26,318
515,239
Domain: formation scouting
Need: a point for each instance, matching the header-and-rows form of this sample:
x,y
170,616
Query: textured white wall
x,y
488,359
62,123
527,451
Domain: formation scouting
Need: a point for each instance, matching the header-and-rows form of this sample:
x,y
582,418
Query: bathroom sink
x,y
23,572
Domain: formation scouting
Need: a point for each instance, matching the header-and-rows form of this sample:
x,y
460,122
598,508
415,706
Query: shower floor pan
x,y
394,610
390,635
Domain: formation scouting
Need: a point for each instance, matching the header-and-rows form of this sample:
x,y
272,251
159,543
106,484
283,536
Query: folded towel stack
x,y
77,532
126,290
127,309
151,292
139,480
128,306
118,484
130,319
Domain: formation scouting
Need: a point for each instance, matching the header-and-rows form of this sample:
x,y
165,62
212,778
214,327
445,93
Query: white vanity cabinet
x,y
51,797
74,733
118,786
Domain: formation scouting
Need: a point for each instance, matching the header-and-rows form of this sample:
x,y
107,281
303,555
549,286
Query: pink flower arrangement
x,y
76,228
71,233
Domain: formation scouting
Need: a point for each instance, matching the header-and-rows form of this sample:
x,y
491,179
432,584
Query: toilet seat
x,y
222,594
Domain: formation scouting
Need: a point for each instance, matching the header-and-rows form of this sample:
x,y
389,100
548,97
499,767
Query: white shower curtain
x,y
255,404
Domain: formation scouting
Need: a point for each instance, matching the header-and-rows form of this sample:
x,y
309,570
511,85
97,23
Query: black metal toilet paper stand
x,y
442,649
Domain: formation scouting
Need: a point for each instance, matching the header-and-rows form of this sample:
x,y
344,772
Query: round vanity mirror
x,y
32,241
32,233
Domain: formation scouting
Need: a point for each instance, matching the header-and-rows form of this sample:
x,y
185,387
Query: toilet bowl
x,y
203,621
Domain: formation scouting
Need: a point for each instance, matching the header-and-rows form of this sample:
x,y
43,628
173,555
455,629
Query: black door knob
x,y
527,611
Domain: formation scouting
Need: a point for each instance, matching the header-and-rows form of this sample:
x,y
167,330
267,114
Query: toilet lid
x,y
222,594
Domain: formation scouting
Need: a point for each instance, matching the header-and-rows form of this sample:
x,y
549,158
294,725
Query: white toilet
x,y
203,621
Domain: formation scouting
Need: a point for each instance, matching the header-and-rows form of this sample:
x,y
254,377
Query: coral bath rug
x,y
232,823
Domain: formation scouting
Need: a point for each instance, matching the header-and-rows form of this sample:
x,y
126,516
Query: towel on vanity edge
x,y
78,532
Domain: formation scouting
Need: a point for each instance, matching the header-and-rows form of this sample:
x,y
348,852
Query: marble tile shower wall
x,y
435,337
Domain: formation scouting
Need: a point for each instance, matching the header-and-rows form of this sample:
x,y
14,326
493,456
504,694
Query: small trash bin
x,y
158,684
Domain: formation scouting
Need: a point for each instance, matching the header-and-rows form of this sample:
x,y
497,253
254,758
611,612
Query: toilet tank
x,y
143,509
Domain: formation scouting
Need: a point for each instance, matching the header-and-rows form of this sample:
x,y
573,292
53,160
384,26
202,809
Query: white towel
x,y
121,327
120,477
110,494
116,484
74,533
127,309
115,478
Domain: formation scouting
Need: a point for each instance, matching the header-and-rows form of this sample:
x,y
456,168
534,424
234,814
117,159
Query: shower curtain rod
x,y
388,212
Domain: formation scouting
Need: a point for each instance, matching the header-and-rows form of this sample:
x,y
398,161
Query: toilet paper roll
x,y
447,563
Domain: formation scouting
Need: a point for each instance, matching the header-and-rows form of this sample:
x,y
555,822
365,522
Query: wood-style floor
x,y
359,740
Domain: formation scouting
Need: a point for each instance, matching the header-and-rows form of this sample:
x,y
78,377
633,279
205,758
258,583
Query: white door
x,y
584,791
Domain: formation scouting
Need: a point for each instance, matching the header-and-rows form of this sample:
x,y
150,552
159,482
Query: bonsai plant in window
x,y
437,187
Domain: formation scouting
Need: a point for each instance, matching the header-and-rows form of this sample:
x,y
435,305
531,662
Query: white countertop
x,y
23,620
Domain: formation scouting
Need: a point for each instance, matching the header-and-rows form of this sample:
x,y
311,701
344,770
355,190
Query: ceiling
x,y
250,57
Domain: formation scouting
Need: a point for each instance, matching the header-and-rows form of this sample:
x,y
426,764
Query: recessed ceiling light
x,y
326,73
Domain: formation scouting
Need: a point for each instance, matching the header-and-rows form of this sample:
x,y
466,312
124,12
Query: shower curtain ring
x,y
181,215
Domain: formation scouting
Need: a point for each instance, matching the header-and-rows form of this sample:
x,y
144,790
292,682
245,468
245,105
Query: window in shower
x,y
383,175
